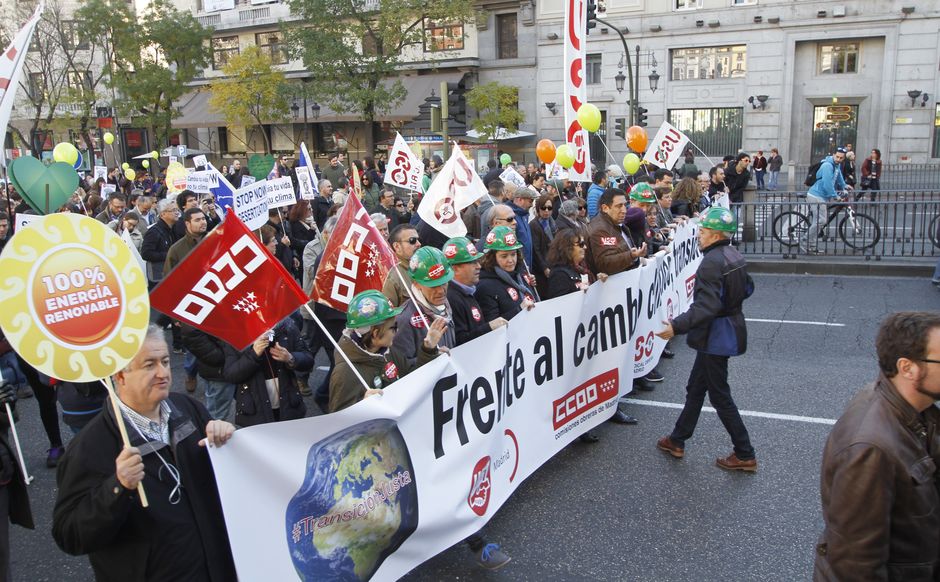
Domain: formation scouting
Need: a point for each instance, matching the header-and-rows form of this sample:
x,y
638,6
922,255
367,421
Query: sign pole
x,y
119,418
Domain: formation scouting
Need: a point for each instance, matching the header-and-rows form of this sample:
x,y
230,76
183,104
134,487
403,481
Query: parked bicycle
x,y
857,230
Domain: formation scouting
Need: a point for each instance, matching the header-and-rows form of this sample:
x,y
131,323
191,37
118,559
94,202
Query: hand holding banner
x,y
404,168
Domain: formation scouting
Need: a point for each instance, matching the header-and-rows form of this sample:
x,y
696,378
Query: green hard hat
x,y
429,267
460,250
502,238
643,192
718,218
370,308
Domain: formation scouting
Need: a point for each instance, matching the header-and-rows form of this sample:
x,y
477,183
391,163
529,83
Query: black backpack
x,y
811,174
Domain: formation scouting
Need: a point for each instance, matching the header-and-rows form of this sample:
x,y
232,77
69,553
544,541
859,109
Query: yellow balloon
x,y
154,154
65,152
564,155
631,163
108,138
130,174
589,116
145,163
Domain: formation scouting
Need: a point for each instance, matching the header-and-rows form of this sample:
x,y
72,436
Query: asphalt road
x,y
622,510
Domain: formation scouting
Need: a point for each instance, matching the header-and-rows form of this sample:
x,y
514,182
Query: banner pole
x,y
16,441
119,418
336,346
401,278
710,161
531,274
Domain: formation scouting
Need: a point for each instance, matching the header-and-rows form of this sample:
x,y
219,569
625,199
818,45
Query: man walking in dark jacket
x,y
159,239
716,329
182,535
879,470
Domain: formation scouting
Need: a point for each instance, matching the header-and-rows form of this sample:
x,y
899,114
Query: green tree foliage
x,y
253,89
152,56
497,106
354,48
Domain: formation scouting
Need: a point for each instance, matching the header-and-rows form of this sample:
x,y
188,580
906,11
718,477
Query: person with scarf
x,y
430,272
368,343
543,229
464,259
503,290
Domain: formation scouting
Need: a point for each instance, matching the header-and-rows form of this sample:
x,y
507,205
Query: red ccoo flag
x,y
229,286
356,258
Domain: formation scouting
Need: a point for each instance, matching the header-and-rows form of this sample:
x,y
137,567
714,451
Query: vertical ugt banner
x,y
575,90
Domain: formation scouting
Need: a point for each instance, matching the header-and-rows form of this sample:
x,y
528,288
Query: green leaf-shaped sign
x,y
44,188
260,166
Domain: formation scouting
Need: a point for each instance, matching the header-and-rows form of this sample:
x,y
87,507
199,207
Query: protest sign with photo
x,y
101,172
306,175
372,491
199,160
511,176
107,190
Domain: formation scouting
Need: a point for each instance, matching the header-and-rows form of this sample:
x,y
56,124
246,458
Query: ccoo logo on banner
x,y
372,491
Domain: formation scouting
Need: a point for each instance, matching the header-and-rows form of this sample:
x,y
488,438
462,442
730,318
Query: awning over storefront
x,y
501,135
197,113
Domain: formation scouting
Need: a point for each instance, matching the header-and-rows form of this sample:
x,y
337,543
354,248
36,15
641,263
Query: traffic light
x,y
591,15
457,102
641,116
621,128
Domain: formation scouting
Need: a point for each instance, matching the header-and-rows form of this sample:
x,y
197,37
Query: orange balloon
x,y
637,139
545,150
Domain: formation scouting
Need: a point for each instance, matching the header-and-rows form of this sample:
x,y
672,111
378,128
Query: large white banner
x,y
575,85
404,168
667,147
374,490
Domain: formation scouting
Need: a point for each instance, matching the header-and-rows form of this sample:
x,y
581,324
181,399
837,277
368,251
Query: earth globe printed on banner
x,y
357,505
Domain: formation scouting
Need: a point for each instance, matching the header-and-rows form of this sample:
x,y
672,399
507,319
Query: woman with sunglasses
x,y
543,229
503,290
367,342
569,275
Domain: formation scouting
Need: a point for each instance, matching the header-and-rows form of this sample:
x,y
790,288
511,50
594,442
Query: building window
x,y
688,4
223,49
592,69
717,131
442,36
272,44
711,62
78,81
37,86
837,59
371,45
507,46
936,134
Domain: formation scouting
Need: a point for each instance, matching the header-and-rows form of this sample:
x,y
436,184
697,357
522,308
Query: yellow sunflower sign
x,y
73,299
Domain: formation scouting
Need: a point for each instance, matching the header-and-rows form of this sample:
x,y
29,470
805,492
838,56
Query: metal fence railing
x,y
896,224
893,176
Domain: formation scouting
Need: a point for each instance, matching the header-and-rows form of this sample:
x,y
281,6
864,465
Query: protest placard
x,y
511,176
101,172
199,161
251,205
202,182
24,220
280,192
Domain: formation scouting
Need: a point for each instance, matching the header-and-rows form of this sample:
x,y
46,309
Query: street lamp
x,y
315,110
619,79
294,109
654,81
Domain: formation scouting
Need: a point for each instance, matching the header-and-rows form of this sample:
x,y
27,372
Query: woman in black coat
x,y
264,374
504,288
569,270
543,230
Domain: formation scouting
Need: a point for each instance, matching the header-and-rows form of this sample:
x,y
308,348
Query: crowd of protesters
x,y
524,244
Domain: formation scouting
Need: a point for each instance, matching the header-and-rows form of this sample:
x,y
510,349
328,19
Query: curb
x,y
831,267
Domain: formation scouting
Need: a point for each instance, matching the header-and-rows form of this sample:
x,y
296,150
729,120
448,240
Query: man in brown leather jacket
x,y
610,250
879,486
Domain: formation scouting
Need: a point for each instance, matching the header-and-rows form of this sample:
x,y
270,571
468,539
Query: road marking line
x,y
823,323
773,415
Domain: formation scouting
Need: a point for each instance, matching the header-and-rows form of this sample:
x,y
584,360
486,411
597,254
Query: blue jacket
x,y
593,195
523,232
828,180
